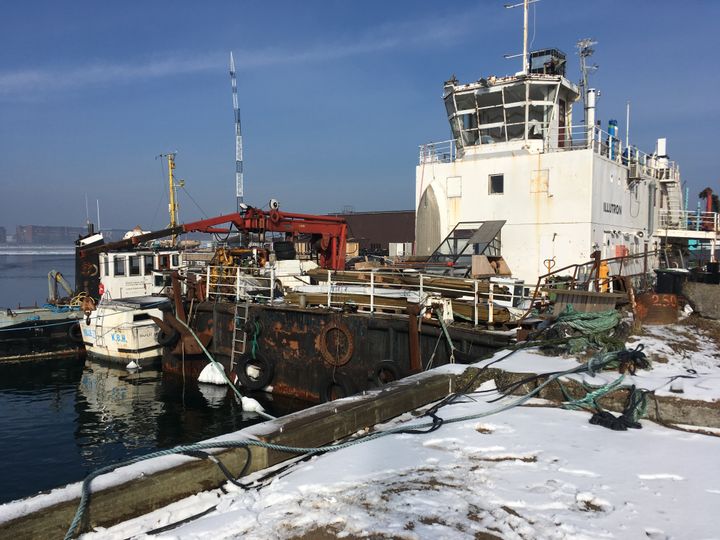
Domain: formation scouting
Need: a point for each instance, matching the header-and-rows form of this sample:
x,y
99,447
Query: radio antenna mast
x,y
585,51
239,180
525,63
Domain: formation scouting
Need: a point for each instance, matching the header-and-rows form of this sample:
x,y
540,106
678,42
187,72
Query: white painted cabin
x,y
519,153
125,274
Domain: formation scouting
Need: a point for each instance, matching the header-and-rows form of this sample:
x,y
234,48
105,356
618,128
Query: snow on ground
x,y
529,473
682,349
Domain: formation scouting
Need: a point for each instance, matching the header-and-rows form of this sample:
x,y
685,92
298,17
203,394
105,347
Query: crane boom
x,y
329,233
239,179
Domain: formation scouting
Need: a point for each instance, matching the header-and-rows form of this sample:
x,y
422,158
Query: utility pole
x,y
239,180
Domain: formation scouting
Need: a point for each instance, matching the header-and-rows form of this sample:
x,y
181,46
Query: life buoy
x,y
386,371
168,339
336,387
75,333
274,216
336,344
255,373
101,289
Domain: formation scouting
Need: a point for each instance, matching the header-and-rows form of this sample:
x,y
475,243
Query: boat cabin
x,y
565,187
137,273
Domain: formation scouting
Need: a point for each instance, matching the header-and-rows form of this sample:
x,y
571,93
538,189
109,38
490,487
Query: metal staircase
x,y
239,338
675,201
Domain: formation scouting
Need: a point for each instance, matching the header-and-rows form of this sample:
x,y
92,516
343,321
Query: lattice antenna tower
x,y
239,179
585,51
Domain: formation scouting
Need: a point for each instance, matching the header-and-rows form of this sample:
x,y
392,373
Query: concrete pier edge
x,y
317,426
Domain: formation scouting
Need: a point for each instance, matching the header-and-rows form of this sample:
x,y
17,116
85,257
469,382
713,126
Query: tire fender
x,y
75,333
264,367
385,372
335,387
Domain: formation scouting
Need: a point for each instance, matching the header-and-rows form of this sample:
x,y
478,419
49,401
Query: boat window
x,y
164,261
496,184
148,264
162,280
119,266
465,101
141,317
175,261
134,265
106,266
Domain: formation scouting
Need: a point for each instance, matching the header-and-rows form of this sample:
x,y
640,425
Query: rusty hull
x,y
314,348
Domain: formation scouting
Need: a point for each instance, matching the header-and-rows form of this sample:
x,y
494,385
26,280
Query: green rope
x,y
590,399
254,346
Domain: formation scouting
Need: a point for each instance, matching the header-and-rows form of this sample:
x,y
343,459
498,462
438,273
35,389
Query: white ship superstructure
x,y
566,186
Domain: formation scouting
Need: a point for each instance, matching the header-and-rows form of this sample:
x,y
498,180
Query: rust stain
x,y
657,308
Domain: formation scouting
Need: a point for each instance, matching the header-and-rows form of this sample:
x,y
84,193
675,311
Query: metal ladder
x,y
239,338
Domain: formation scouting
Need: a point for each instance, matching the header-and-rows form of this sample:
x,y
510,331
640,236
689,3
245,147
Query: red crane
x,y
328,233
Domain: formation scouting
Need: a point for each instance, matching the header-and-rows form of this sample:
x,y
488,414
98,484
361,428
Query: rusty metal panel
x,y
584,301
313,349
657,308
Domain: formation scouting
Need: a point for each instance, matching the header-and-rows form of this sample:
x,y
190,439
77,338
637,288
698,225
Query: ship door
x,y
562,110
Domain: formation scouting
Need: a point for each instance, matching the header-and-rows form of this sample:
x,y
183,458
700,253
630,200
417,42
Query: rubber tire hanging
x,y
75,333
385,372
265,366
336,387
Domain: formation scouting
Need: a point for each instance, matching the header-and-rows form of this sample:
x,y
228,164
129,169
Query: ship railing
x,y
239,284
373,292
610,275
639,163
690,221
438,152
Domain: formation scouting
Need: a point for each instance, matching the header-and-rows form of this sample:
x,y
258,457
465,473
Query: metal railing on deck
x,y
686,220
380,292
438,152
589,276
567,138
238,284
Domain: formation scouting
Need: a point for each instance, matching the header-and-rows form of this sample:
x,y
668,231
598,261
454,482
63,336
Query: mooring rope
x,y
308,451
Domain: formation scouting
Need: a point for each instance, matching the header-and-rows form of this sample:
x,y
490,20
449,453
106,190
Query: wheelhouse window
x,y
148,264
105,266
175,261
134,265
119,266
496,184
164,262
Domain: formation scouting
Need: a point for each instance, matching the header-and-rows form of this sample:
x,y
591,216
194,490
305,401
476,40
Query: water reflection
x,y
64,418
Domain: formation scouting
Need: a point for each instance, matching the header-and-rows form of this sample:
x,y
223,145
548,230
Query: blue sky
x,y
335,96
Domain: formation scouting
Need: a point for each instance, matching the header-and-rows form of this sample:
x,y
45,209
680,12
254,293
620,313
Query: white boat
x,y
561,184
122,330
131,283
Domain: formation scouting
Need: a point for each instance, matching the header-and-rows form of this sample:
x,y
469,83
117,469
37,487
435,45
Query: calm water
x,y
24,270
62,418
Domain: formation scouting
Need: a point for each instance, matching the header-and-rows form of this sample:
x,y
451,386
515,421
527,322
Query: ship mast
x,y
525,60
239,180
173,185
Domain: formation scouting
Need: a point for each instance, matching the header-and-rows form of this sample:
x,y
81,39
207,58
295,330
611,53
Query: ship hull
x,y
318,354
